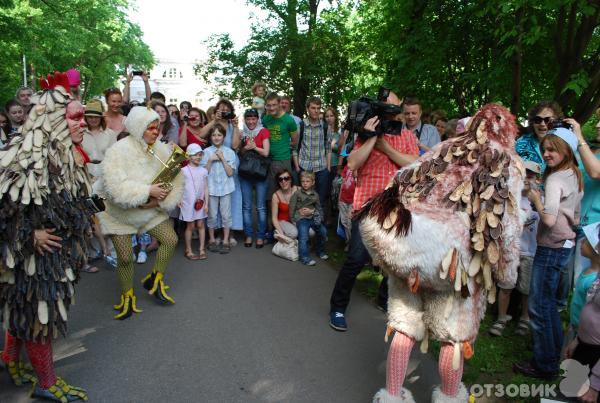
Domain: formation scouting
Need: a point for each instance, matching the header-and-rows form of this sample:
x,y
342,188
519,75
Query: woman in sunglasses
x,y
280,201
191,130
540,119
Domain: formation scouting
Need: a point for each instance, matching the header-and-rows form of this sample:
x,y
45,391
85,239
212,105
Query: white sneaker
x,y
142,257
232,241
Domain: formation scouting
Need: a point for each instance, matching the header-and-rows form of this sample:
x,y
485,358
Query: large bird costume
x,y
446,230
42,186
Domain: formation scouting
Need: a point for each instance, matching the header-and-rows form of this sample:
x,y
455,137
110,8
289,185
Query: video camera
x,y
365,108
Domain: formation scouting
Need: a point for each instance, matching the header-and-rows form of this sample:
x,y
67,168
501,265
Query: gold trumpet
x,y
170,168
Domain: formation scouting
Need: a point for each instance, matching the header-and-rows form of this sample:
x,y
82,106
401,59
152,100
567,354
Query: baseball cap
x,y
193,149
567,136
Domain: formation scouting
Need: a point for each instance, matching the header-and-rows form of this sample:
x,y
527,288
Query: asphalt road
x,y
246,327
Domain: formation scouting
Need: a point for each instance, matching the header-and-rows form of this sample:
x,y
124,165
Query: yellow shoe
x,y
127,305
159,290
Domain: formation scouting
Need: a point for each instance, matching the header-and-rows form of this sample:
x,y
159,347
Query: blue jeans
x,y
548,266
261,187
303,225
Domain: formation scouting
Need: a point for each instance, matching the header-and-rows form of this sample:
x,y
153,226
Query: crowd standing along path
x,y
246,327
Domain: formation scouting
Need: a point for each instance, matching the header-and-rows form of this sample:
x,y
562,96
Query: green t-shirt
x,y
280,130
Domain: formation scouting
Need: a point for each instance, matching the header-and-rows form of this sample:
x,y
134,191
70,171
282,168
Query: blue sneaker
x,y
337,320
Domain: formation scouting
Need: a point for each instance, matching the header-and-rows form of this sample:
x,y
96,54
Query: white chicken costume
x,y
446,229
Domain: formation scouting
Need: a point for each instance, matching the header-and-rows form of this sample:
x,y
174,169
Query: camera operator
x,y
427,135
374,161
225,116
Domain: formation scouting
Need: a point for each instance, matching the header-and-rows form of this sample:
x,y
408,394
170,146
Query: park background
x,y
454,55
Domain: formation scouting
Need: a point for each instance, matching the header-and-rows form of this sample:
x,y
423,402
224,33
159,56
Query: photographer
x,y
126,92
192,129
375,161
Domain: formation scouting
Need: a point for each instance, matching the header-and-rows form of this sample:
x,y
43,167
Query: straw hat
x,y
94,108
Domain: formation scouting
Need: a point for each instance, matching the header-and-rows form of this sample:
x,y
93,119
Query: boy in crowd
x,y
306,213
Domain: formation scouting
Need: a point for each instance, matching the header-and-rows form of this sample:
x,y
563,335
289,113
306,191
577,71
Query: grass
x,y
494,356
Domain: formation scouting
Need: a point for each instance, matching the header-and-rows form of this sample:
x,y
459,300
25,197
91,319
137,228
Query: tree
x,y
94,36
460,55
298,50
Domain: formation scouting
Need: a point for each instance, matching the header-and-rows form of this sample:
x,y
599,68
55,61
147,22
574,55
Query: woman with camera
x,y
255,140
135,205
192,131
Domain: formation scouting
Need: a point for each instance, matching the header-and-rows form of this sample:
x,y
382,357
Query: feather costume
x,y
446,229
41,186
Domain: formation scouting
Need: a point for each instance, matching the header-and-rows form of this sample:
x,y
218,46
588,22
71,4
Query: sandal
x,y
499,326
260,244
522,327
225,248
212,247
190,255
202,255
248,243
89,269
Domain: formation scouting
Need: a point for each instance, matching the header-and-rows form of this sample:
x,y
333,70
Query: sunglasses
x,y
538,120
284,178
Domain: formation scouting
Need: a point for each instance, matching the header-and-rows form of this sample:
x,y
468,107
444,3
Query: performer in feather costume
x,y
446,230
45,225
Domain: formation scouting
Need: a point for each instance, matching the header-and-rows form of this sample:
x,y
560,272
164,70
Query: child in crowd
x,y
528,247
194,204
588,276
259,89
559,212
305,212
221,163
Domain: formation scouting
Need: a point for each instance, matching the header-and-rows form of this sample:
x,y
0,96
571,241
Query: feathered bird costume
x,y
446,230
41,187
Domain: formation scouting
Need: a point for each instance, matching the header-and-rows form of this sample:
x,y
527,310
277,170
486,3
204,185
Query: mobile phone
x,y
137,72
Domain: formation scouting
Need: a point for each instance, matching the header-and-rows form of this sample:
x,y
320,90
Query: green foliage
x,y
94,36
454,55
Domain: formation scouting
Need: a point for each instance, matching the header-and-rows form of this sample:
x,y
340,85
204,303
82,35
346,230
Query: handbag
x,y
253,165
287,251
95,204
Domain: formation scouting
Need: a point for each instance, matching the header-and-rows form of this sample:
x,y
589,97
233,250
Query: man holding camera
x,y
374,161
427,135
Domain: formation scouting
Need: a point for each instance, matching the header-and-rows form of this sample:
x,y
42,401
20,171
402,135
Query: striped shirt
x,y
313,155
377,171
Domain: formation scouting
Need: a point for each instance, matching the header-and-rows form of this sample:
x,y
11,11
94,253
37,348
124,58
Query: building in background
x,y
177,81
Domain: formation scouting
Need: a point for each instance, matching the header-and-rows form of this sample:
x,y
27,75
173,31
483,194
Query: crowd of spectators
x,y
274,176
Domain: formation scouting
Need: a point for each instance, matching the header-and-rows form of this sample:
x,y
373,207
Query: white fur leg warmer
x,y
461,397
383,396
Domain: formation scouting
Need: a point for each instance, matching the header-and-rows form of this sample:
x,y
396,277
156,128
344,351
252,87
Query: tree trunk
x,y
517,64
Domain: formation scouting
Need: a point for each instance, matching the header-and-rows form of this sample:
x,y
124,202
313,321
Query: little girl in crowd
x,y
259,90
221,163
559,213
194,203
528,246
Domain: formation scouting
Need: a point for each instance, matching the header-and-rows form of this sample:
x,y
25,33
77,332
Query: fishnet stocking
x,y
397,362
124,251
167,238
40,356
450,377
12,348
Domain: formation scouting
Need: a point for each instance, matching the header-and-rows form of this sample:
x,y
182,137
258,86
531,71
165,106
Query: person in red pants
x,y
45,224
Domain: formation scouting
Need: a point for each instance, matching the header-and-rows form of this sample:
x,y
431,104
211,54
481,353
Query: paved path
x,y
247,327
